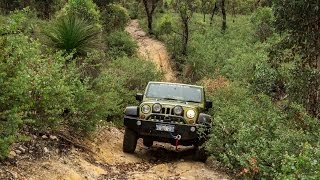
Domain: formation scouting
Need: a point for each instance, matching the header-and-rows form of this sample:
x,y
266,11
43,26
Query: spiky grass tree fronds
x,y
71,33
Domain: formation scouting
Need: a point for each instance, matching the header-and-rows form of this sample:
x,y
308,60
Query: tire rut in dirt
x,y
122,171
165,154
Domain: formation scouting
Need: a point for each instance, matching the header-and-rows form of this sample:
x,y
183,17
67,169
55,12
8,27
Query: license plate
x,y
164,127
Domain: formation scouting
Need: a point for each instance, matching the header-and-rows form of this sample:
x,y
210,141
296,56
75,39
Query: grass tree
x,y
71,33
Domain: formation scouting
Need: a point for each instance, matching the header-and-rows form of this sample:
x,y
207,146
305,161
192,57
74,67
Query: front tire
x,y
200,154
129,140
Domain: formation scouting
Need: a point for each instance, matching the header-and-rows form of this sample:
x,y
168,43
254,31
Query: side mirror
x,y
208,104
139,97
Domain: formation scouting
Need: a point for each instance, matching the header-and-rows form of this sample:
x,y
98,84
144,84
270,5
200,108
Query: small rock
x,y
98,162
46,150
182,160
35,137
113,168
183,178
14,175
12,155
45,137
53,137
22,149
18,151
203,169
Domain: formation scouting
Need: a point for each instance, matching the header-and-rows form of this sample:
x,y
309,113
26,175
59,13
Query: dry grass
x,y
211,85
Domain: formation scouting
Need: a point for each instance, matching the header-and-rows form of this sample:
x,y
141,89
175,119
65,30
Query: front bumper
x,y
147,128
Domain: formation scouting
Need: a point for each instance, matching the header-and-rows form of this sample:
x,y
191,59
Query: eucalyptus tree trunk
x,y
214,10
224,16
185,36
150,6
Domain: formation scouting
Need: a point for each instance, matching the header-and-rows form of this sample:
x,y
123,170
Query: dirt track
x,y
153,50
102,156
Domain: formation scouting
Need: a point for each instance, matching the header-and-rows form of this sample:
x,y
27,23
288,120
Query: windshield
x,y
174,92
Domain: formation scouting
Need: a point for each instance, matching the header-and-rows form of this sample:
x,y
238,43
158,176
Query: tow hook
x,y
177,138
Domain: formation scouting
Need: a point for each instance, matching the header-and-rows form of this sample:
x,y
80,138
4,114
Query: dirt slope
x,y
153,50
101,157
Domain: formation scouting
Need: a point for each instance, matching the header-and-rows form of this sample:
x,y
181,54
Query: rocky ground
x,y
101,157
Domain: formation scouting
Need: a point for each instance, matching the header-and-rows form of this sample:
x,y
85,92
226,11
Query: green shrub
x,y
265,79
84,113
90,65
304,165
120,43
32,87
165,25
212,53
262,20
115,18
240,6
45,9
72,33
19,21
36,89
254,138
120,81
40,90
36,82
85,9
10,122
135,8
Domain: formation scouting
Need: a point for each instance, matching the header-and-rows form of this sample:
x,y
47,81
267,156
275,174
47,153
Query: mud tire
x,y
200,154
129,141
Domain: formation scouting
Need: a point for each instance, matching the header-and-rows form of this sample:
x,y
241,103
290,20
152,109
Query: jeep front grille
x,y
166,110
166,118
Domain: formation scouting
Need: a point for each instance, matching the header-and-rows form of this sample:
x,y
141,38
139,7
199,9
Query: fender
x,y
132,111
204,119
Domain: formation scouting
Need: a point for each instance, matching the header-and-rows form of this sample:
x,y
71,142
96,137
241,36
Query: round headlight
x,y
156,108
191,113
145,109
177,110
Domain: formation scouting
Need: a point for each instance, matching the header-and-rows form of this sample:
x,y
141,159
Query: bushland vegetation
x,y
69,64
261,62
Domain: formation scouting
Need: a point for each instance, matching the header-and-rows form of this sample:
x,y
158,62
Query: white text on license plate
x,y
164,127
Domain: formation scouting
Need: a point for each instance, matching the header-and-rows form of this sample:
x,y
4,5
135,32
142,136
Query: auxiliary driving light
x,y
156,108
138,123
145,109
192,129
177,110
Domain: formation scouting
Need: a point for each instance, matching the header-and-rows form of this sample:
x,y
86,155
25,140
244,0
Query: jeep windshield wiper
x,y
169,99
192,101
